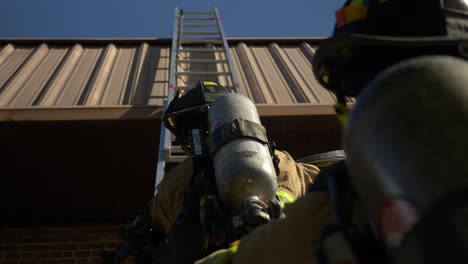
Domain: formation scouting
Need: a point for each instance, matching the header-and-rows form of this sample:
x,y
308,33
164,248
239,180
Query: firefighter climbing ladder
x,y
198,44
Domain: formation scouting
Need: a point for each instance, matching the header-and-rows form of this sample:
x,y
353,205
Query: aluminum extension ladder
x,y
199,52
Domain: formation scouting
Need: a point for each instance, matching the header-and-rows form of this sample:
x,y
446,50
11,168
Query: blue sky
x,y
154,18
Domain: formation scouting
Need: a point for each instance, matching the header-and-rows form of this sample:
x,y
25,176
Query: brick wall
x,y
73,245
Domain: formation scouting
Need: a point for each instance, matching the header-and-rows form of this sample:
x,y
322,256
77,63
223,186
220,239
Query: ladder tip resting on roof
x,y
199,52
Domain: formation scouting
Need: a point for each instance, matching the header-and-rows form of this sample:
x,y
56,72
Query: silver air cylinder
x,y
243,166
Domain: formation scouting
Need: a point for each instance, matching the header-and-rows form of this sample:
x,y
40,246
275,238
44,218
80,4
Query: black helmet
x,y
371,35
188,110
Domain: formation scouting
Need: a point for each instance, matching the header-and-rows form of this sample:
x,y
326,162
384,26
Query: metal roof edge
x,y
141,112
80,113
279,40
156,41
90,41
303,109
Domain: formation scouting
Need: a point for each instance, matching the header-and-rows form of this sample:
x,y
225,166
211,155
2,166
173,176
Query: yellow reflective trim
x,y
325,78
344,51
287,197
342,112
210,83
202,210
206,242
224,256
235,244
354,13
356,3
322,163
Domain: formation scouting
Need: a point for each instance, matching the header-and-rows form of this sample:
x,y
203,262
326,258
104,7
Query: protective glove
x,y
222,256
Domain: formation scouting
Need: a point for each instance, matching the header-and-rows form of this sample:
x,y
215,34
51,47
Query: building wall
x,y
67,245
79,130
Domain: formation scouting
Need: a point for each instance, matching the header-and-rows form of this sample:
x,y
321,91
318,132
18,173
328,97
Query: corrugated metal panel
x,y
107,73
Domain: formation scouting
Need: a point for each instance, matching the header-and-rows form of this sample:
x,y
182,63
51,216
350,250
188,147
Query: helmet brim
x,y
333,49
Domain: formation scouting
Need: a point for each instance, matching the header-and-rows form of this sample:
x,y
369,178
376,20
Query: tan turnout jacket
x,y
287,240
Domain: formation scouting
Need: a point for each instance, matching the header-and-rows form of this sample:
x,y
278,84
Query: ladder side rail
x,y
174,53
165,144
179,25
164,136
227,51
178,22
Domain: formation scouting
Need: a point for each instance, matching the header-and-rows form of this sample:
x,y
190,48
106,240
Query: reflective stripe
x,y
210,83
342,112
285,198
356,3
349,14
235,245
355,13
224,256
325,78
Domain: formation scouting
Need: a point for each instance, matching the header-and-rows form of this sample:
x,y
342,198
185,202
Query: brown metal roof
x,y
65,73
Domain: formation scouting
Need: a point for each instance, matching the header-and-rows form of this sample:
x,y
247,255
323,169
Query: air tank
x,y
243,166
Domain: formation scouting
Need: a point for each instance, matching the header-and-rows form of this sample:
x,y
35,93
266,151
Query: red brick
x,y
12,256
9,248
26,255
91,246
57,245
27,262
95,261
19,240
114,229
93,229
48,254
81,254
67,254
37,261
54,261
62,247
10,232
75,238
61,261
104,237
18,255
113,245
35,247
47,239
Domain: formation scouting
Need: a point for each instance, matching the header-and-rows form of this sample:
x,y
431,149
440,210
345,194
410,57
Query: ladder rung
x,y
197,18
187,87
200,50
200,33
199,25
177,149
198,13
201,61
168,157
203,73
176,159
201,40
